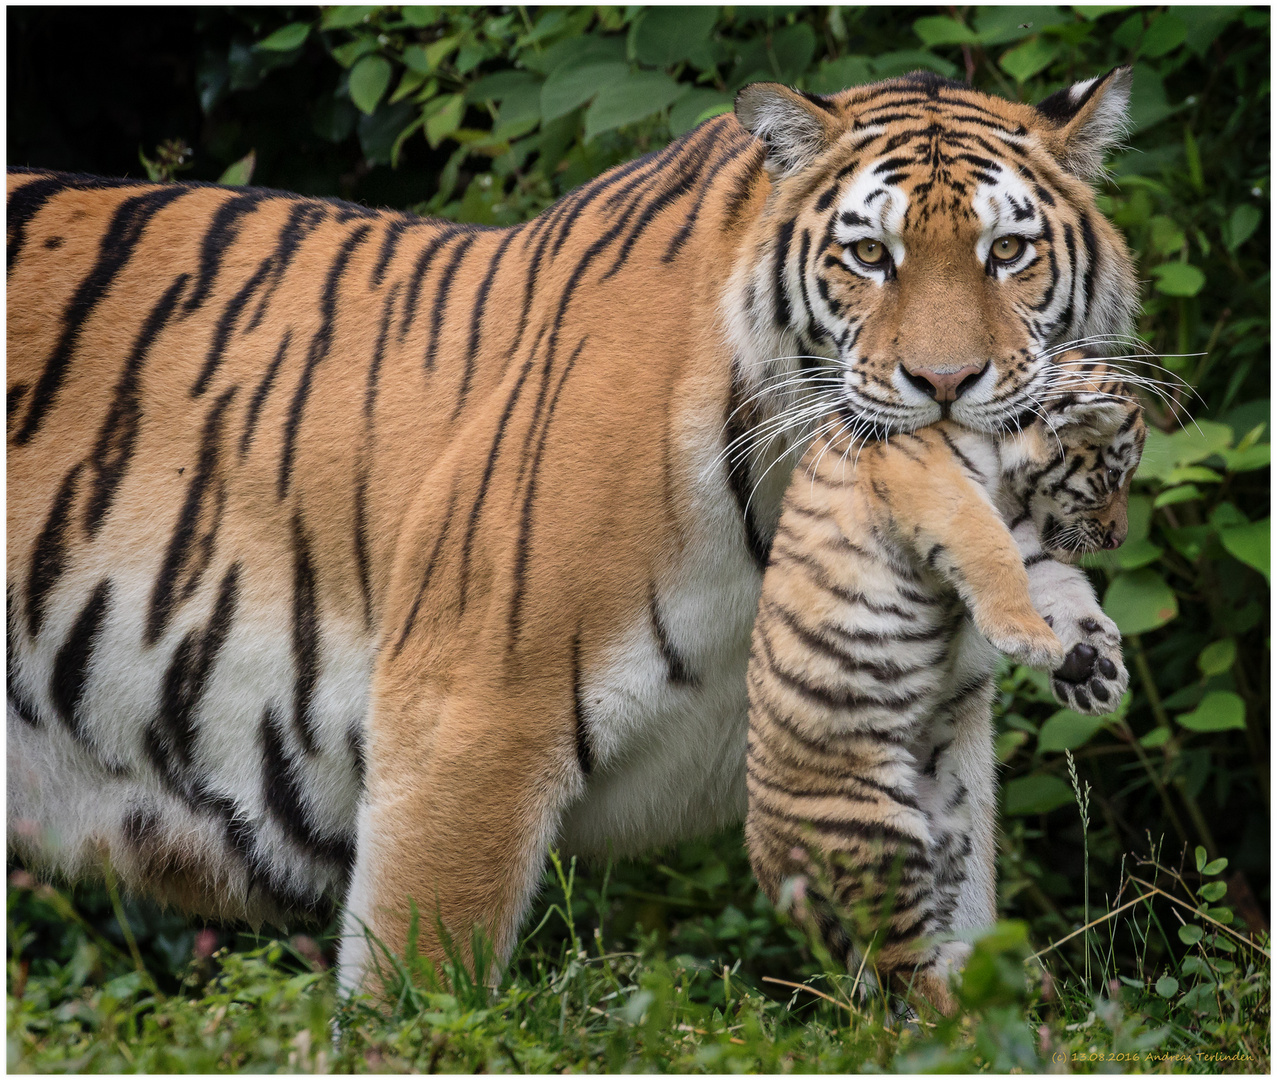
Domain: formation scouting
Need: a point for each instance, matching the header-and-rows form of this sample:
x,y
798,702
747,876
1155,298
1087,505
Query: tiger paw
x,y
1028,641
1092,677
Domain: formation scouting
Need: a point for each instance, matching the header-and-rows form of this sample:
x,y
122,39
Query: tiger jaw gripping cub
x,y
357,556
870,676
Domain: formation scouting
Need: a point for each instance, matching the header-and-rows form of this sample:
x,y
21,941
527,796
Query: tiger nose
x,y
1114,538
944,385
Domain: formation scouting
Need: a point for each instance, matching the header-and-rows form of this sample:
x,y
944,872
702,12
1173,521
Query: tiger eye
x,y
870,252
1008,248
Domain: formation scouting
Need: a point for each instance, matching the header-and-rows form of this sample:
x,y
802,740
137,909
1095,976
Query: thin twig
x,y
1093,922
810,990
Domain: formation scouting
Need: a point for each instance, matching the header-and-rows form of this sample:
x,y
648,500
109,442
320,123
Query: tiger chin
x,y
900,570
355,556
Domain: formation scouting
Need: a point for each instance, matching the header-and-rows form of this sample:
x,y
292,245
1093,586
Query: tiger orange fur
x,y
354,554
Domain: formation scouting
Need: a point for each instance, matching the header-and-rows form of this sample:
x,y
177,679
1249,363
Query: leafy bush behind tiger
x,y
488,115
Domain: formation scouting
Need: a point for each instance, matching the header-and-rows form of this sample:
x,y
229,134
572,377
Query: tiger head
x,y
1071,469
924,250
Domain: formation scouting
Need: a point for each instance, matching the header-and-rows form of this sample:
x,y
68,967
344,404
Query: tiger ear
x,y
1086,120
795,127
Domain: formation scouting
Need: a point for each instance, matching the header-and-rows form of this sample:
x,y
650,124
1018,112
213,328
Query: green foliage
x,y
488,115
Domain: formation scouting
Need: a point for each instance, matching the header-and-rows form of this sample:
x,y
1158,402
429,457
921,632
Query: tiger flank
x,y
892,586
355,556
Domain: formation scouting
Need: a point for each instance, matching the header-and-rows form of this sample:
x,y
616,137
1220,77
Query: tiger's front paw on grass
x,y
1092,677
1029,642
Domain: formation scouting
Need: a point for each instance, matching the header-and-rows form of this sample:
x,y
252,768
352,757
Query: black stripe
x,y
71,665
378,354
679,673
49,555
13,398
780,275
305,636
866,832
186,679
18,700
817,641
319,346
114,252
282,795
738,471
828,697
188,554
222,232
362,562
742,189
476,508
419,270
523,544
966,461
431,563
395,229
1092,262
584,752
114,449
22,206
706,186
304,218
259,395
476,323
226,324
442,296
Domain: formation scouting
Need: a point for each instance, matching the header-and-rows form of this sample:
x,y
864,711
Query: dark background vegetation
x,y
490,114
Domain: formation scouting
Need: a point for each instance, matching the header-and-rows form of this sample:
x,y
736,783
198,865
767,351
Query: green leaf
x,y
286,38
1199,857
1155,738
1166,237
343,17
1212,891
1167,986
1067,730
1187,493
889,65
997,25
240,173
369,80
1215,866
1217,657
1025,61
415,59
1220,710
1250,544
1178,279
1245,460
421,17
502,85
1006,744
1190,935
444,118
1166,33
1134,554
1242,223
1186,474
665,35
692,106
835,75
570,86
347,55
1037,794
1149,105
1139,601
794,46
942,30
631,99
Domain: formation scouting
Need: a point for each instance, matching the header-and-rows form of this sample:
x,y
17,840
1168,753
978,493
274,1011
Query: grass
x,y
695,973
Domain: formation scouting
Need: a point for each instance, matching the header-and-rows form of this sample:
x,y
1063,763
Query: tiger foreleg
x,y
463,799
1092,677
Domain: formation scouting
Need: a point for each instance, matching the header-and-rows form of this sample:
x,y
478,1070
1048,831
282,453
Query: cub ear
x,y
1095,417
1086,120
795,127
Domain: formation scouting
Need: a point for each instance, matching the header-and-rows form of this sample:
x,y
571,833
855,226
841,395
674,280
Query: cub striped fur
x,y
892,584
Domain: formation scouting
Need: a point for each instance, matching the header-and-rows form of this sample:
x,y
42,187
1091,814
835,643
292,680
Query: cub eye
x,y
1007,248
869,252
1114,476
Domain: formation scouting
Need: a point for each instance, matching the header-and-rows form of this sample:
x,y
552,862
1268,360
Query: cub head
x,y
1080,456
924,250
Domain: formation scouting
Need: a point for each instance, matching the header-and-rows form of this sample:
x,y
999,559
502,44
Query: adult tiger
x,y
295,485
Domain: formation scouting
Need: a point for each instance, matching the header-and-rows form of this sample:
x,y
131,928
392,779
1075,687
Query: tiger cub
x,y
897,574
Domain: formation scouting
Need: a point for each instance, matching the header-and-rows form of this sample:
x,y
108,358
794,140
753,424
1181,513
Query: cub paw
x,y
1032,643
1092,677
